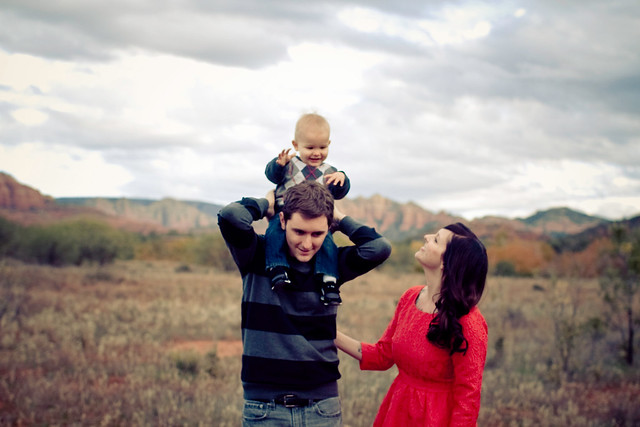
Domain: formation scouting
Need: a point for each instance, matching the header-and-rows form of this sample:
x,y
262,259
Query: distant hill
x,y
488,227
563,227
27,206
560,221
394,220
579,241
168,213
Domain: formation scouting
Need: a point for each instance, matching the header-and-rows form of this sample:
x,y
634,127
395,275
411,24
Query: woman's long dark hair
x,y
463,279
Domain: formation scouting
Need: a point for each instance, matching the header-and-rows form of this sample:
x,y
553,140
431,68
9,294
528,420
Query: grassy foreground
x,y
150,343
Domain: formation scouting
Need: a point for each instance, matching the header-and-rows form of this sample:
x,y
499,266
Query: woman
x,y
437,337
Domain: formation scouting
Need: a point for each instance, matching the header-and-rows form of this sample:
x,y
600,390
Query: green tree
x,y
74,242
505,268
620,283
9,233
211,249
95,241
47,245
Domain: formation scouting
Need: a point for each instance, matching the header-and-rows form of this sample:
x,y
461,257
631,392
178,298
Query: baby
x,y
311,141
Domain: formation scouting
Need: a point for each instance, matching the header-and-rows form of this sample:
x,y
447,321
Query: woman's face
x,y
431,253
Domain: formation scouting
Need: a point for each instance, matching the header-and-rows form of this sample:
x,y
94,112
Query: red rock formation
x,y
14,195
393,218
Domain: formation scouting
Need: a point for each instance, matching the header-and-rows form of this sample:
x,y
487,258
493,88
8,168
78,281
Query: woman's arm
x,y
349,345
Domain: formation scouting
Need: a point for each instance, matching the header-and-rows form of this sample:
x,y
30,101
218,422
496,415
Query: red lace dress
x,y
432,388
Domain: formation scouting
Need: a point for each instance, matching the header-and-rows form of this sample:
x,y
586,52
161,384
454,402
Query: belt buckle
x,y
286,404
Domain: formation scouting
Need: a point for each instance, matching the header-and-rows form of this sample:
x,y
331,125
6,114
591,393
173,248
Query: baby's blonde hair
x,y
311,120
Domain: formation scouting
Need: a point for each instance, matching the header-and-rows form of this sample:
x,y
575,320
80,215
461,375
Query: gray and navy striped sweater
x,y
288,334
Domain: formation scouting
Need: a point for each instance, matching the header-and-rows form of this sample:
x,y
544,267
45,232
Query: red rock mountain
x,y
168,213
24,205
397,221
14,195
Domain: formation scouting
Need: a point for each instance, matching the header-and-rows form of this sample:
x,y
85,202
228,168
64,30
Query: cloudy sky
x,y
476,108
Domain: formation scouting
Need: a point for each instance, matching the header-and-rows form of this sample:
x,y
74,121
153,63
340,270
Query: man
x,y
290,362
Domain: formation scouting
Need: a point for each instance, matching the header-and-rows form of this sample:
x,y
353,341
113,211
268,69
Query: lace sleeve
x,y
467,370
379,356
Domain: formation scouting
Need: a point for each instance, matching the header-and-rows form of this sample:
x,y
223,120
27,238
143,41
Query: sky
x,y
474,108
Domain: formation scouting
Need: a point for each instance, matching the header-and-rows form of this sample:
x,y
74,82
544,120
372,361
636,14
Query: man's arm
x,y
235,222
370,250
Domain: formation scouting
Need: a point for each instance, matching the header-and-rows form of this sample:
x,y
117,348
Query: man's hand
x,y
284,157
271,198
336,178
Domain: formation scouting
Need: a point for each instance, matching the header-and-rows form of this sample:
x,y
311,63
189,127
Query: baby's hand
x,y
336,178
284,157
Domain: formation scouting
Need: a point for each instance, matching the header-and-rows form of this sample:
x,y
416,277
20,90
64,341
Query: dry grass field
x,y
156,343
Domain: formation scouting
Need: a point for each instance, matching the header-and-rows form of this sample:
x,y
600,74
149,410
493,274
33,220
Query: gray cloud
x,y
559,83
97,31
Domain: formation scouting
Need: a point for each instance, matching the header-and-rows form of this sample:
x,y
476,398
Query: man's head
x,y
311,139
305,217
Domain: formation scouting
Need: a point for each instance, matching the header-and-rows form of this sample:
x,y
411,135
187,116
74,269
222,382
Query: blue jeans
x,y
325,413
326,258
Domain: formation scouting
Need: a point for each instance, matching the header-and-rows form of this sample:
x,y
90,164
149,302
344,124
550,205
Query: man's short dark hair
x,y
310,199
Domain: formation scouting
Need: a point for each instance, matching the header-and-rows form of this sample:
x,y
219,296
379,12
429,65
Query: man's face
x,y
304,235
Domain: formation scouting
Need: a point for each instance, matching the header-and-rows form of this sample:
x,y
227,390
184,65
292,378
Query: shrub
x,y
505,269
211,249
9,233
402,257
183,268
74,242
47,245
187,363
212,364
